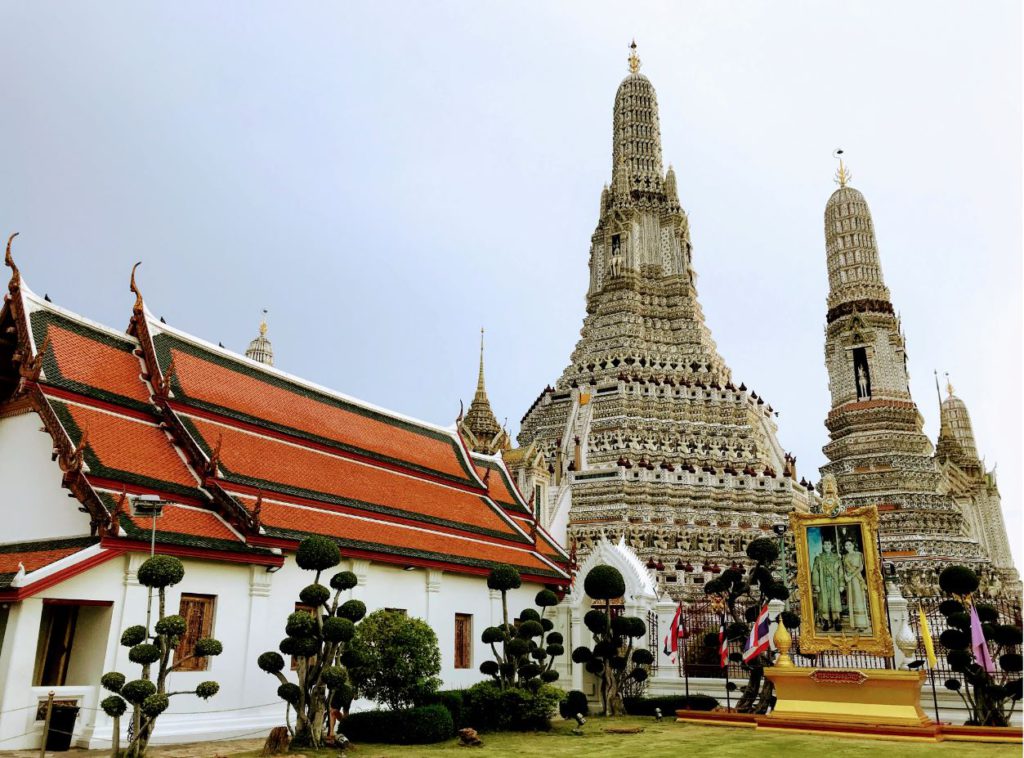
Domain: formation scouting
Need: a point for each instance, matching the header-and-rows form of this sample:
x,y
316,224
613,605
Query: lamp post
x,y
152,506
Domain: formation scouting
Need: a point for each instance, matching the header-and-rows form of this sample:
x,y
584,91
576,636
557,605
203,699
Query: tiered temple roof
x,y
246,459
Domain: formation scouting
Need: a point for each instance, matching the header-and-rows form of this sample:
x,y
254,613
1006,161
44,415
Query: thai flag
x,y
723,647
759,640
676,632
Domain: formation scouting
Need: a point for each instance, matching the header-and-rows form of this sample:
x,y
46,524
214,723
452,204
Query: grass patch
x,y
670,740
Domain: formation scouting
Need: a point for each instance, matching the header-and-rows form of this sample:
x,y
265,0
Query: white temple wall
x,y
251,607
42,511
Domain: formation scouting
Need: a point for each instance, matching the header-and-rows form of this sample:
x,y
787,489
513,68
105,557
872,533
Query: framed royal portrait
x,y
842,594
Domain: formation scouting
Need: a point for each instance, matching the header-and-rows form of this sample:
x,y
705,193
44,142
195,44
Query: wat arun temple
x,y
648,438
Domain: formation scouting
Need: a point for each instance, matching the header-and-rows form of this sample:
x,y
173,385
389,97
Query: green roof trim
x,y
163,343
271,486
41,322
406,552
97,468
514,505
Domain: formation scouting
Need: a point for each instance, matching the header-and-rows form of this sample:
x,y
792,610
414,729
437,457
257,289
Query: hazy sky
x,y
385,178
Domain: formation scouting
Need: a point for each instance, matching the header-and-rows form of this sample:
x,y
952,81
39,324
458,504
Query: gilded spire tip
x,y
843,175
634,59
263,324
949,385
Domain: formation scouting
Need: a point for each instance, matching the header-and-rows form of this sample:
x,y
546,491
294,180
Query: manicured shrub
x,y
958,580
152,651
161,571
320,642
604,583
489,708
574,702
423,725
763,550
644,706
451,700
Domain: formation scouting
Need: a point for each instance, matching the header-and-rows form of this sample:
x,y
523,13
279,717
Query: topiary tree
x,y
756,588
989,696
612,656
319,640
152,651
527,653
398,659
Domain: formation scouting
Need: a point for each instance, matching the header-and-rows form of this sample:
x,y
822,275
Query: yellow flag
x,y
926,636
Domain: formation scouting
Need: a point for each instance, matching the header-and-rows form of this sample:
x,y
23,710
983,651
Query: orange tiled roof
x,y
369,534
83,359
186,520
125,448
36,555
243,391
260,461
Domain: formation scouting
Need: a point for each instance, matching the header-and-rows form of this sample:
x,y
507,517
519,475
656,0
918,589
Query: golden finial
x,y
634,59
263,324
949,385
843,175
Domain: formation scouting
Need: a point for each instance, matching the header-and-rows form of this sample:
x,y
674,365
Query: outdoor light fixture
x,y
779,529
409,568
148,505
914,665
657,714
273,569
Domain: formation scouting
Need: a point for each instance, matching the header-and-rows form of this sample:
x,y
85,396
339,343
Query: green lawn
x,y
673,740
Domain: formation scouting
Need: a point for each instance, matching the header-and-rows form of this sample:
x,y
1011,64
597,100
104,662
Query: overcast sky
x,y
386,178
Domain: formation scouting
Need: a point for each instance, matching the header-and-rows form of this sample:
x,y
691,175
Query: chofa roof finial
x,y
134,288
9,261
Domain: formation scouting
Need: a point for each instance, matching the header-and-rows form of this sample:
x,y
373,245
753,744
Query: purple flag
x,y
978,645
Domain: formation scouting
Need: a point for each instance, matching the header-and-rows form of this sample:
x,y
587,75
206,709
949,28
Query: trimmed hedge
x,y
412,726
452,701
644,706
488,708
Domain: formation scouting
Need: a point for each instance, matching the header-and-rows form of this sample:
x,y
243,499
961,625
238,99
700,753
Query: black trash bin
x,y
62,724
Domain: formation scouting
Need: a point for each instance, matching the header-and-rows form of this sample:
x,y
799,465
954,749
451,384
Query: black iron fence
x,y
1009,613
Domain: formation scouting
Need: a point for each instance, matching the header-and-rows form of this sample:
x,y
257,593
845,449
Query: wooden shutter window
x,y
463,640
197,610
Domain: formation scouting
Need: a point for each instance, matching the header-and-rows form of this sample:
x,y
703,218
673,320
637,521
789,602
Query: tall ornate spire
x,y
260,349
854,272
480,427
636,148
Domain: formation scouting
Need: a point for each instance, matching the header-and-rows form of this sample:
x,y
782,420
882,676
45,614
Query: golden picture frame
x,y
839,577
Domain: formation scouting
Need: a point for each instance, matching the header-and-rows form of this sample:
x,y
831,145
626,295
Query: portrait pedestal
x,y
865,702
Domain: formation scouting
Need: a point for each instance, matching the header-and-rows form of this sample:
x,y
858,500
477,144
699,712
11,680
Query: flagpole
x,y
935,697
686,674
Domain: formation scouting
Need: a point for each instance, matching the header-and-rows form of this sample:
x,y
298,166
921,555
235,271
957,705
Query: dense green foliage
x,y
487,707
990,697
452,701
612,657
408,726
756,587
524,656
148,695
399,660
319,641
574,702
